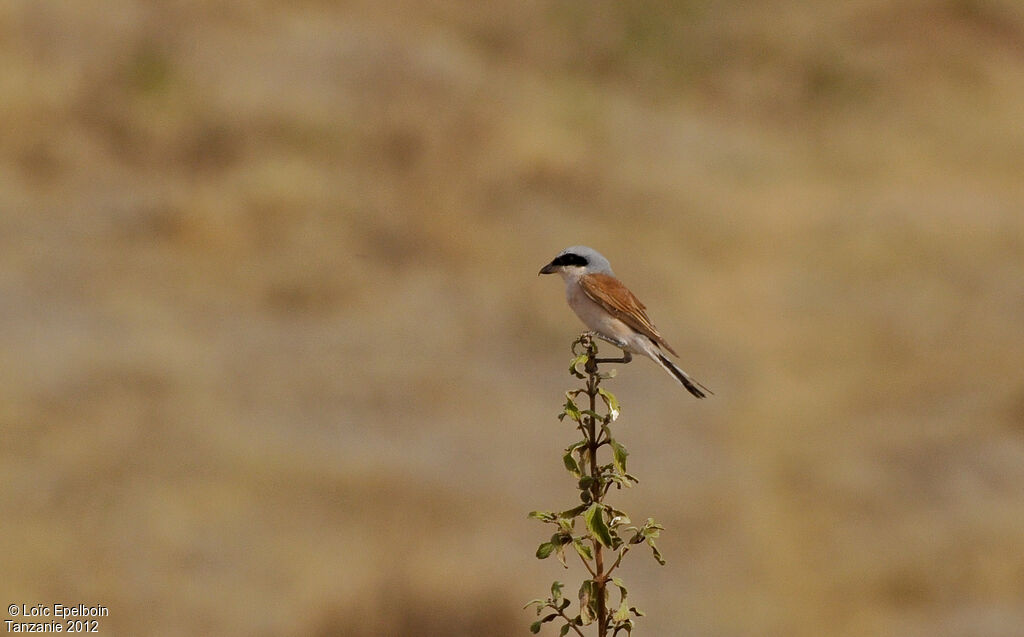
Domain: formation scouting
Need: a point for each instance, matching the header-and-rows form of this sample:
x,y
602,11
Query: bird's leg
x,y
626,357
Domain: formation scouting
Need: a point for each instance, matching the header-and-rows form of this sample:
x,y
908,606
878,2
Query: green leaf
x,y
588,605
657,553
559,540
571,409
636,611
570,463
584,550
618,518
622,586
572,513
596,524
543,516
611,401
538,602
535,627
619,455
545,550
622,614
565,630
574,363
556,590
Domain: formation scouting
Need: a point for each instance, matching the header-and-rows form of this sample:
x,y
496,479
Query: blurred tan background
x,y
274,357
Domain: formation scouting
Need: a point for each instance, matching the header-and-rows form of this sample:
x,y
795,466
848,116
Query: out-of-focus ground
x,y
274,357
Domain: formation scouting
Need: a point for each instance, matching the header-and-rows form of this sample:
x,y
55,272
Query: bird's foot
x,y
626,356
592,363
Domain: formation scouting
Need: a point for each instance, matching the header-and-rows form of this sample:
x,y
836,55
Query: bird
x,y
612,312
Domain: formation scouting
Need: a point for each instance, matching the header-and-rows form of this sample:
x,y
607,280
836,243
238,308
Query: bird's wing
x,y
612,295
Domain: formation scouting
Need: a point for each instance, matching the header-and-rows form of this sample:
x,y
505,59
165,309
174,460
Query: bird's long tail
x,y
691,385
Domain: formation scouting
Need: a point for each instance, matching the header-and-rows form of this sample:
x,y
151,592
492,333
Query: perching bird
x,y
608,308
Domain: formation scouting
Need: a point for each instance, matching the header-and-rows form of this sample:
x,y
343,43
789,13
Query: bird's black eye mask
x,y
569,259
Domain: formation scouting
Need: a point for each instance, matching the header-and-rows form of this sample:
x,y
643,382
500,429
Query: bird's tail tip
x,y
691,385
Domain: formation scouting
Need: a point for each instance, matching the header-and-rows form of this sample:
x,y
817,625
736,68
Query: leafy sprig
x,y
598,534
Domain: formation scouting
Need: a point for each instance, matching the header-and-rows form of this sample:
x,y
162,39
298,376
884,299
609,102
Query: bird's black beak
x,y
550,268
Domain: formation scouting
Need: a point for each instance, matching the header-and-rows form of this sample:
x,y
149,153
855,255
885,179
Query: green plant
x,y
606,534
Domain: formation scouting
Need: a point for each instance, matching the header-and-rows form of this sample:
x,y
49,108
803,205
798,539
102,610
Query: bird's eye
x,y
569,259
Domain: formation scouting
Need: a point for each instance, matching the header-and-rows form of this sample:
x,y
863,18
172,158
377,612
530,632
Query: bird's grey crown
x,y
584,256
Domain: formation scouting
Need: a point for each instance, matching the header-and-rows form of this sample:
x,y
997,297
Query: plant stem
x,y
600,577
569,621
